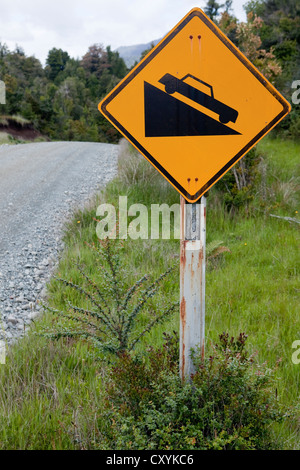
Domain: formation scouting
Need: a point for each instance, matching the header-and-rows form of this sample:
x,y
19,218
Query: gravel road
x,y
40,185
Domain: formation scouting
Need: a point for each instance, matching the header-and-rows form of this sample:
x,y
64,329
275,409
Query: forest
x,y
60,100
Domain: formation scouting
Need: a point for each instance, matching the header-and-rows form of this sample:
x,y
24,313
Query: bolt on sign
x,y
194,106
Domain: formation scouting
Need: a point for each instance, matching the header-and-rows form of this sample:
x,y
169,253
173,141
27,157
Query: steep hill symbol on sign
x,y
169,116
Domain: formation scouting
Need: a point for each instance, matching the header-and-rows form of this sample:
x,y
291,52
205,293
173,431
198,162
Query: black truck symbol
x,y
173,84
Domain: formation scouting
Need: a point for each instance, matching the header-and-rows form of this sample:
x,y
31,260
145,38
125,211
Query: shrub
x,y
237,185
111,312
228,404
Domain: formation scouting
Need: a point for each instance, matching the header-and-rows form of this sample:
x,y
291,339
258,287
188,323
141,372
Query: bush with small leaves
x,y
228,404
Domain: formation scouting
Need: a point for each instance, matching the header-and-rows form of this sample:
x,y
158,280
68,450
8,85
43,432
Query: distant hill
x,y
132,54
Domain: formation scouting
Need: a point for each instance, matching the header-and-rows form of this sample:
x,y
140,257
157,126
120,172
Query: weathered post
x,y
192,283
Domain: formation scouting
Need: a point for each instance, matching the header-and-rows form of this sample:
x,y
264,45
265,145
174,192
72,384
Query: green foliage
x,y
239,184
228,404
281,32
56,62
61,100
254,6
270,39
113,316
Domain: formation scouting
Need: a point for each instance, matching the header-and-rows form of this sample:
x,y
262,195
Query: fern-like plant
x,y
113,318
215,248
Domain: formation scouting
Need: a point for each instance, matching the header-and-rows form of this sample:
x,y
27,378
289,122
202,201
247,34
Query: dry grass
x,y
4,138
287,191
5,120
133,167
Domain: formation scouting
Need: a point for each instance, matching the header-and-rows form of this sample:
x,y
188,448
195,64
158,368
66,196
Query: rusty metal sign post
x,y
192,283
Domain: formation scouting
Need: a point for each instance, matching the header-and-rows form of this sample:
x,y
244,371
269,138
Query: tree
x,y
276,8
95,61
56,62
3,50
250,43
256,7
212,9
117,66
228,6
281,32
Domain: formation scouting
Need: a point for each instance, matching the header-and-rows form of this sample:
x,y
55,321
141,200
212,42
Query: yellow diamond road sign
x,y
194,106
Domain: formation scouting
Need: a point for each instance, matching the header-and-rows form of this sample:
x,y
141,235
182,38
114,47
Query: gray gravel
x,y
40,186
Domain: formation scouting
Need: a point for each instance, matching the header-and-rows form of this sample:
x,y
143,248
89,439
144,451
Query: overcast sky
x,y
74,25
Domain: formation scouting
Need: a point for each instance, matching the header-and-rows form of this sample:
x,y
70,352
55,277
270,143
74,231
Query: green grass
x,y
283,157
256,290
49,391
49,396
